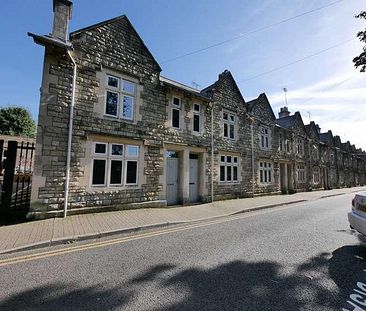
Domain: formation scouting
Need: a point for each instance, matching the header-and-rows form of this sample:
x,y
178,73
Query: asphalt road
x,y
302,257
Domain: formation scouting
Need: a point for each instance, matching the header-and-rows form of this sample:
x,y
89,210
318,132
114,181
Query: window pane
x,y
225,130
269,176
235,160
222,173
100,148
228,159
228,173
232,118
111,104
235,173
128,87
132,151
175,118
98,172
231,131
261,176
172,154
113,81
176,101
131,174
127,109
223,159
117,150
116,172
196,107
225,116
265,176
196,123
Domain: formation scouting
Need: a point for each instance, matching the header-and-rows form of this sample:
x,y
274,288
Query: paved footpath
x,y
42,233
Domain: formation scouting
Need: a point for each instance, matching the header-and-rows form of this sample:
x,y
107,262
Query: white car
x,y
357,217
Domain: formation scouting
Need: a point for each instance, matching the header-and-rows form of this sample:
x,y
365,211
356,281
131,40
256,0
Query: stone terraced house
x,y
115,134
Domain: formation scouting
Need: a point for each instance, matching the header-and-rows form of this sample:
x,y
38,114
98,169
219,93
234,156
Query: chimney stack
x,y
62,14
284,112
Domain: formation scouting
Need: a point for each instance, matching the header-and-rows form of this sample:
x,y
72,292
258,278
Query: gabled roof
x,y
114,20
183,87
327,138
311,127
262,98
225,74
289,121
286,122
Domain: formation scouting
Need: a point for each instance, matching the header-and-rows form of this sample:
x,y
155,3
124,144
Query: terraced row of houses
x,y
113,133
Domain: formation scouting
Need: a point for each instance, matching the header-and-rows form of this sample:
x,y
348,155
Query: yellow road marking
x,y
20,259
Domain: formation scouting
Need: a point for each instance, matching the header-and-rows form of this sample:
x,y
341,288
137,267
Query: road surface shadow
x,y
61,296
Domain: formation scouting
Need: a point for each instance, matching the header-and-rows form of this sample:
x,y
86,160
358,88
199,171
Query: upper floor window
x,y
301,173
316,175
114,164
229,122
264,137
265,172
176,111
120,98
197,118
281,142
315,152
300,146
228,168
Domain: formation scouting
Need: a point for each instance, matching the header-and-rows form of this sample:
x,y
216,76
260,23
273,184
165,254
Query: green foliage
x,y
16,121
360,61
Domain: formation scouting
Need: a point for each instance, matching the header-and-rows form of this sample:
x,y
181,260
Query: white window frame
x,y
226,164
281,142
265,172
177,108
121,94
300,146
229,122
264,141
300,170
316,175
200,116
108,157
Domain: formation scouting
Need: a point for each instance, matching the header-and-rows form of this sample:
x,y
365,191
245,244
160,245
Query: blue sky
x,y
326,85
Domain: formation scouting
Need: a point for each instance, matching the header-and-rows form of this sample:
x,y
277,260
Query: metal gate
x,y
16,164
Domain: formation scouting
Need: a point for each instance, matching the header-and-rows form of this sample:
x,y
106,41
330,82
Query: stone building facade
x,y
114,134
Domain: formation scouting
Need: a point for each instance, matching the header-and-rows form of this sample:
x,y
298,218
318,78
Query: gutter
x,y
69,140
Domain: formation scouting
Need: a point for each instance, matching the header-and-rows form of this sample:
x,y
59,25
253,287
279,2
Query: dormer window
x,y
176,111
265,138
197,118
120,98
229,122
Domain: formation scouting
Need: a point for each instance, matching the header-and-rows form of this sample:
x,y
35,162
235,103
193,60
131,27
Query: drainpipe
x,y
69,140
212,150
252,134
252,119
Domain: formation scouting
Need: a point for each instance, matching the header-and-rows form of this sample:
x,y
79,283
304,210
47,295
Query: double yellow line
x,y
68,250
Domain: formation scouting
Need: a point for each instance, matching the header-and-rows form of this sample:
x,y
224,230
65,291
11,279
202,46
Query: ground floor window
x,y
301,173
265,172
114,164
316,175
228,168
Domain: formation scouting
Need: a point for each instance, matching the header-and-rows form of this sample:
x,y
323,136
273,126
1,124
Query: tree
x,y
16,121
360,61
